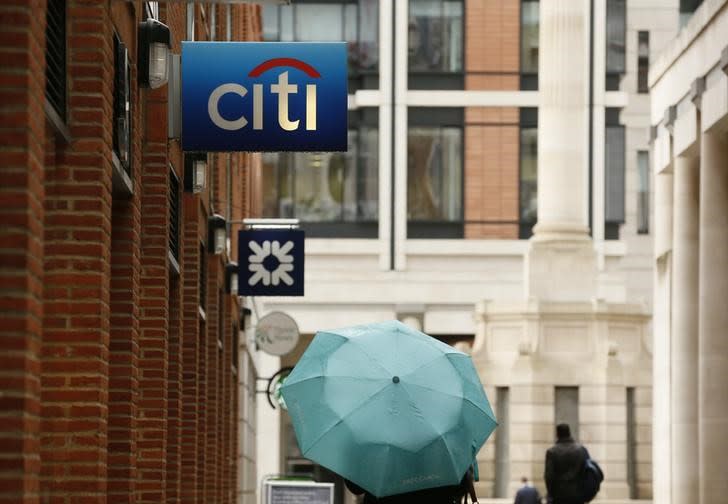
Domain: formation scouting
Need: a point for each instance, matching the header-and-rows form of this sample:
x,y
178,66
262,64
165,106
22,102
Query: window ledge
x,y
174,265
466,247
121,182
59,125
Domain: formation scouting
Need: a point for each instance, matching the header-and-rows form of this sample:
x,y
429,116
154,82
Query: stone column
x,y
684,355
661,323
561,249
713,318
563,119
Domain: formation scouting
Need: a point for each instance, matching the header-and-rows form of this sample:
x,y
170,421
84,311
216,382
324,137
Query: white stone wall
x,y
690,168
247,429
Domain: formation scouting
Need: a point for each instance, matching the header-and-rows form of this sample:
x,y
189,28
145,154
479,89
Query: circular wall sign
x,y
276,333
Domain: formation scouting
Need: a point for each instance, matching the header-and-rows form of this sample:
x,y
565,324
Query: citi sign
x,y
264,96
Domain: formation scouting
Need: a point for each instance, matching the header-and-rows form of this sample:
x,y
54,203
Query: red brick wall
x,y
124,345
113,386
491,171
22,132
75,367
491,166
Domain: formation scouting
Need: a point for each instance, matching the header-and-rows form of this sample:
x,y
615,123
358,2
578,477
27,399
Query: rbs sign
x,y
264,96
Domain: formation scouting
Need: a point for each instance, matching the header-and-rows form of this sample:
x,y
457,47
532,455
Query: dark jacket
x,y
564,469
440,495
527,495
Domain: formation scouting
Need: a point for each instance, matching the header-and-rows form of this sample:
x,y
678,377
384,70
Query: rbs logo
x,y
258,96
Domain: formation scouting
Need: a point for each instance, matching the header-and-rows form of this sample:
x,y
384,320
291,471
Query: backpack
x,y
592,478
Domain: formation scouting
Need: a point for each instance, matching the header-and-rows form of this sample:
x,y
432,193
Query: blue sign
x,y
270,262
264,96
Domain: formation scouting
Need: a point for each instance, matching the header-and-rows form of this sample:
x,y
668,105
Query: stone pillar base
x,y
560,269
533,347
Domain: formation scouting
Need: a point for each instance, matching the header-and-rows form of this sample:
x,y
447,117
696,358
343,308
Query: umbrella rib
x,y
309,378
371,358
341,420
450,395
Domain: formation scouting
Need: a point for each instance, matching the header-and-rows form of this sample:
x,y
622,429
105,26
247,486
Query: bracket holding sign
x,y
273,389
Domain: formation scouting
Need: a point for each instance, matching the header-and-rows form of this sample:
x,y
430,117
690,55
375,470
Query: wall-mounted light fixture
x,y
153,45
195,171
216,234
245,314
231,278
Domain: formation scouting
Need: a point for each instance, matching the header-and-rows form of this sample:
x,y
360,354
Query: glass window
x,y
55,53
528,172
616,33
122,105
435,36
356,22
528,180
643,60
614,174
319,22
687,8
434,174
643,192
270,19
529,36
330,187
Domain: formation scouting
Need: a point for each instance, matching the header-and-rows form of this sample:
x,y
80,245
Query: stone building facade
x,y
120,372
689,119
455,98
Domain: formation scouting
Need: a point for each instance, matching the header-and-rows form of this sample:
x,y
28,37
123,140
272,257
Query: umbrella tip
x,y
395,379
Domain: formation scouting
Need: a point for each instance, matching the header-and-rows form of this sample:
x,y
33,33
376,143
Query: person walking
x,y
527,494
565,462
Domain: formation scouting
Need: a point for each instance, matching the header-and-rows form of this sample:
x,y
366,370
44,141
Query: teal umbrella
x,y
388,407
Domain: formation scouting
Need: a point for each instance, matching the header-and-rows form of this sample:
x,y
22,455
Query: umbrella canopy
x,y
388,407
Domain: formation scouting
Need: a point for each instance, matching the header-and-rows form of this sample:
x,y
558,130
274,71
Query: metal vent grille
x,y
56,56
174,214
